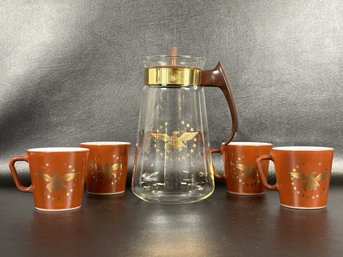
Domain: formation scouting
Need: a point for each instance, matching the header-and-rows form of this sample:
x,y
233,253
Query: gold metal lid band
x,y
181,76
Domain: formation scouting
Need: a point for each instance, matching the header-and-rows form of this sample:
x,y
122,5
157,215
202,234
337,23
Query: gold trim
x,y
179,76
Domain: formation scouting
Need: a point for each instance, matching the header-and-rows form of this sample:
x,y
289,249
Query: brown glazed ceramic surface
x,y
107,167
302,175
57,176
240,166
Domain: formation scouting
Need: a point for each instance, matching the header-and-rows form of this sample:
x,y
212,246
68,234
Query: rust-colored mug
x,y
107,167
56,175
302,175
240,171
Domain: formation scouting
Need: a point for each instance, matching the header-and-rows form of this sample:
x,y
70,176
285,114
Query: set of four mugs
x,y
58,174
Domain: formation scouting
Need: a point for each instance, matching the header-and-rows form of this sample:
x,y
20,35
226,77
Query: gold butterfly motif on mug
x,y
56,182
310,181
175,142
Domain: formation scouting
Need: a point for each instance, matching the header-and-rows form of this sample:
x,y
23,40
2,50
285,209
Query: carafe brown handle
x,y
217,78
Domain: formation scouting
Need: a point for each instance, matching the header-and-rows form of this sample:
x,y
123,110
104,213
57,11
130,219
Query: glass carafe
x,y
173,155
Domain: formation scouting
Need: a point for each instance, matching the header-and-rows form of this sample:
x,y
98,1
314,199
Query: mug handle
x,y
261,173
217,78
216,174
16,179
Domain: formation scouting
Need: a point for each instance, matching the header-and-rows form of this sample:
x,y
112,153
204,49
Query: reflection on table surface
x,y
223,225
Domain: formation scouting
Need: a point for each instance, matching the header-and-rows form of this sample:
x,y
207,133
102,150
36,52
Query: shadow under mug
x,y
302,175
240,171
107,167
57,176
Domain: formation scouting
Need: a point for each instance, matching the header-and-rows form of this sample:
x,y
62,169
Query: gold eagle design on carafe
x,y
175,142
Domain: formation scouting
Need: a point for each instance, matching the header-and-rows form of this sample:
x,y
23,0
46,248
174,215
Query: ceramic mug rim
x,y
302,148
103,143
248,144
57,149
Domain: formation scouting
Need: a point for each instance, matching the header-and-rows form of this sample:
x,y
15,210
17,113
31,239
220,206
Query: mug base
x,y
112,193
302,208
247,194
57,210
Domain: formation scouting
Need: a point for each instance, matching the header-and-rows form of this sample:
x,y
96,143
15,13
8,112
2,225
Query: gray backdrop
x,y
71,70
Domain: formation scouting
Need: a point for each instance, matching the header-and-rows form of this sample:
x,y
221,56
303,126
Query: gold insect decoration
x,y
310,181
57,182
175,142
